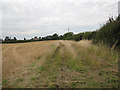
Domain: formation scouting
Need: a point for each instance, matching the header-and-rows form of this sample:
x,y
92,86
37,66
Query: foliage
x,y
109,33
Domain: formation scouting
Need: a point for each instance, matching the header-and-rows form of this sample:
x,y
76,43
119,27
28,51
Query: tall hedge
x,y
109,33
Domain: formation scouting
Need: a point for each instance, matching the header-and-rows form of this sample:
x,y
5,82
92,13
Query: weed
x,y
75,84
42,68
19,80
52,85
52,46
34,78
32,65
38,58
4,82
20,86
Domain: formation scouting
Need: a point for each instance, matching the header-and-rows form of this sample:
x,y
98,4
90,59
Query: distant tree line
x,y
66,36
108,34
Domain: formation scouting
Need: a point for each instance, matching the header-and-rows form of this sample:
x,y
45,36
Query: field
x,y
58,64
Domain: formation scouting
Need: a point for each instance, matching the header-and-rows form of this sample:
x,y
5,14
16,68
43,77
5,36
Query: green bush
x,y
109,33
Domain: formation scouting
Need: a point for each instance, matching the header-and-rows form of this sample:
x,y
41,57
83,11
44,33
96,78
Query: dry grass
x,y
17,55
59,64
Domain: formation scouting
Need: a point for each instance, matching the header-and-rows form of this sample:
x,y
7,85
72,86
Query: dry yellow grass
x,y
60,60
20,54
17,55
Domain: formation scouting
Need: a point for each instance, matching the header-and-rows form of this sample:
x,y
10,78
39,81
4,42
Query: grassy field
x,y
59,64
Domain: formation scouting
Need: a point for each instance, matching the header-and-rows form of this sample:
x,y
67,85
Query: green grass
x,y
86,60
19,80
16,82
52,85
4,82
87,70
33,78
32,65
52,46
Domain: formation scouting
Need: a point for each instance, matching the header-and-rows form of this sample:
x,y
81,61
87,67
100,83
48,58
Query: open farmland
x,y
52,64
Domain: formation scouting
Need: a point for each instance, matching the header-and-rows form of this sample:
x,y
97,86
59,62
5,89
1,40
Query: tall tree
x,y
7,38
15,39
24,39
55,36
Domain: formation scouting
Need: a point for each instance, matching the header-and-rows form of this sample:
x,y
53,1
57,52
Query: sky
x,y
30,18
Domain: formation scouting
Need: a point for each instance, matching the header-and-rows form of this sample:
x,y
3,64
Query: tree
x,y
15,39
109,33
68,36
55,36
60,37
1,40
40,38
24,39
7,38
78,37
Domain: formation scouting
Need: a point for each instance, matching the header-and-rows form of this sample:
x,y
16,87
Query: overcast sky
x,y
29,18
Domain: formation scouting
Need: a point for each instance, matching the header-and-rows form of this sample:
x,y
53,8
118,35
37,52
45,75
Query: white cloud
x,y
29,18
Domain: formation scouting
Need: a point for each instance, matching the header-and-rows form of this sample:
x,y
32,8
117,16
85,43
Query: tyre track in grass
x,y
66,75
60,52
70,48
25,71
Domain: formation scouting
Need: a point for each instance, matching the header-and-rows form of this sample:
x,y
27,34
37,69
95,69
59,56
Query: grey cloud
x,y
49,16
